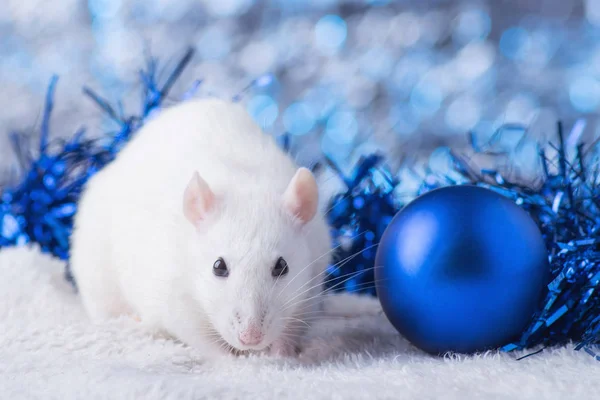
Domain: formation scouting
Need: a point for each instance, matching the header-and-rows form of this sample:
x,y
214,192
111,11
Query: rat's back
x,y
217,138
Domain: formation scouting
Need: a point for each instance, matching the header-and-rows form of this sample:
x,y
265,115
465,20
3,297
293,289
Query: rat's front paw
x,y
284,349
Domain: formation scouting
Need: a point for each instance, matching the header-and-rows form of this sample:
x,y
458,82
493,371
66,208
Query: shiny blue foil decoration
x,y
40,208
461,269
358,217
565,206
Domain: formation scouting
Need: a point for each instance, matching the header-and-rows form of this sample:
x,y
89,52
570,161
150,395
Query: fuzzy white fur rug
x,y
49,350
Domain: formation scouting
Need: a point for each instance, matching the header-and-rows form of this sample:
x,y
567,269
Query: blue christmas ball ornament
x,y
461,269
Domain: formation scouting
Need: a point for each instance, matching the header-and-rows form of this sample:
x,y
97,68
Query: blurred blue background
x,y
408,77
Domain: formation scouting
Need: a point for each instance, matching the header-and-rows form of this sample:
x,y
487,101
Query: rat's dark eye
x,y
220,268
281,268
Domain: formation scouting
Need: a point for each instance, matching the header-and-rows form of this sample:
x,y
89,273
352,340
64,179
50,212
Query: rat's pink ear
x,y
198,199
302,195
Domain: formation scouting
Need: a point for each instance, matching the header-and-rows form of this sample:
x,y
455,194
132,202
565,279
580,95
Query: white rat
x,y
203,228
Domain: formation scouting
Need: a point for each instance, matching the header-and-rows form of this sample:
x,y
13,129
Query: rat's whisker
x,y
319,284
288,335
303,269
321,312
361,286
215,342
211,334
353,273
337,266
329,292
347,259
286,306
311,263
298,320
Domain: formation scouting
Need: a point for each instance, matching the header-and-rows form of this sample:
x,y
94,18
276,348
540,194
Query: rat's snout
x,y
250,330
251,334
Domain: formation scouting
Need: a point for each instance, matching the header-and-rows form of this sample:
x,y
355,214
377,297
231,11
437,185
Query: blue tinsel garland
x,y
565,205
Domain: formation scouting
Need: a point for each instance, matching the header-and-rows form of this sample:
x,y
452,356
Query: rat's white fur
x,y
134,252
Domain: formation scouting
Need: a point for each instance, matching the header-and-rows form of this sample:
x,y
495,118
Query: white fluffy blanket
x,y
49,350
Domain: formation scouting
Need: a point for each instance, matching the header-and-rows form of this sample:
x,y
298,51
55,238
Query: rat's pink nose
x,y
251,336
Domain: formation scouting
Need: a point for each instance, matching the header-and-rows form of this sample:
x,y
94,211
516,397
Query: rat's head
x,y
252,262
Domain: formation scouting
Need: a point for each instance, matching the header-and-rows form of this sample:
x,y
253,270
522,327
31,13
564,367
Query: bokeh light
x,y
330,33
227,8
440,160
264,110
463,114
472,24
426,98
258,57
332,73
403,120
322,99
338,152
514,43
299,118
406,29
592,11
376,63
104,9
474,60
521,109
584,93
409,69
342,127
215,43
